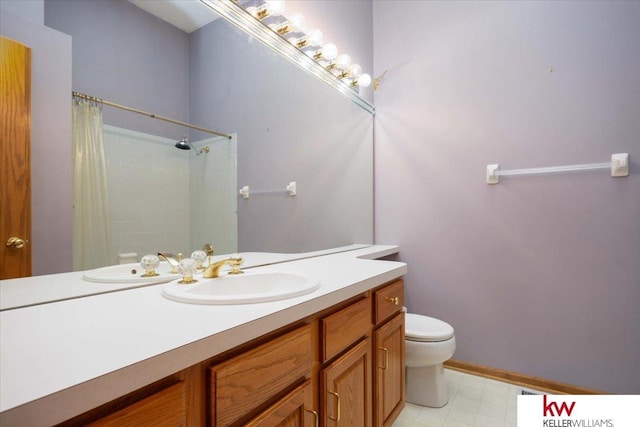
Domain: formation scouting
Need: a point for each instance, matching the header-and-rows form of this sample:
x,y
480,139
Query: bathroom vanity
x,y
332,357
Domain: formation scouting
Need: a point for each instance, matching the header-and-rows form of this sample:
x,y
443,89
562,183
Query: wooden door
x,y
389,376
296,409
15,159
346,392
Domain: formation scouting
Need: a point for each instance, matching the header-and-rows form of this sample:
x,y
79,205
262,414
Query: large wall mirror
x,y
286,126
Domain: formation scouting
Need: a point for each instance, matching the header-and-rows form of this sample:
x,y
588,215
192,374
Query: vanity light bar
x,y
239,17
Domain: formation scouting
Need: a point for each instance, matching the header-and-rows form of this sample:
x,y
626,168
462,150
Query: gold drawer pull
x,y
315,414
393,300
386,358
338,404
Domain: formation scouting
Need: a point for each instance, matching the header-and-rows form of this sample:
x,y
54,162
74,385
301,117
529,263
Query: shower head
x,y
183,144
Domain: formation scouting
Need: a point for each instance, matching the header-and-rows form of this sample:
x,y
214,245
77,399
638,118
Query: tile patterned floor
x,y
473,402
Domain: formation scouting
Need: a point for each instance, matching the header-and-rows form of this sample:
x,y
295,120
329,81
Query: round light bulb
x,y
315,37
364,80
297,21
343,61
253,11
355,71
275,7
329,51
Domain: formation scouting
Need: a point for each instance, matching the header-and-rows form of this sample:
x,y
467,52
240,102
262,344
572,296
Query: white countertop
x,y
64,286
62,358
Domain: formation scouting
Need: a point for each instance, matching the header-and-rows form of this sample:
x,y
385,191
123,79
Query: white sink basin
x,y
249,287
129,273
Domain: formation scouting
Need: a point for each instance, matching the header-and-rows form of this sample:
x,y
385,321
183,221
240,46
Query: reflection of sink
x,y
249,287
129,273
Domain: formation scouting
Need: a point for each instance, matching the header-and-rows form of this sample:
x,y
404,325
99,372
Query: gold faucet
x,y
214,269
173,260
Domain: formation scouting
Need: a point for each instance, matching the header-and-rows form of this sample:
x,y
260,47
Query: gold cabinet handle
x,y
15,243
338,404
385,365
315,414
393,300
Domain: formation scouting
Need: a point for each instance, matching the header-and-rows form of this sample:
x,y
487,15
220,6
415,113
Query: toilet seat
x,y
426,329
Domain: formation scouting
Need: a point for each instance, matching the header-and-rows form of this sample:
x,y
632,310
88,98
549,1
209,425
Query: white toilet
x,y
429,343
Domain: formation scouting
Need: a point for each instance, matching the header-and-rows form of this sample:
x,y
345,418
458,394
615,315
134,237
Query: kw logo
x,y
548,408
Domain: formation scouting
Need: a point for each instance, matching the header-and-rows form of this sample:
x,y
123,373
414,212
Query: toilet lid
x,y
426,329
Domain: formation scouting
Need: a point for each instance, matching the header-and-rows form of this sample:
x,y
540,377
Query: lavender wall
x,y
125,55
539,274
291,127
50,141
30,10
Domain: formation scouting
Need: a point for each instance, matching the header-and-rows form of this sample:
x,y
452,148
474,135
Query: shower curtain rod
x,y
144,113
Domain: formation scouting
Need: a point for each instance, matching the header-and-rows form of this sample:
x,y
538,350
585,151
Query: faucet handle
x,y
199,257
149,263
236,263
208,249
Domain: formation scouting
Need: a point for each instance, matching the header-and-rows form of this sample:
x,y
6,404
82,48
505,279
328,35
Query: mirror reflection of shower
x,y
150,183
185,144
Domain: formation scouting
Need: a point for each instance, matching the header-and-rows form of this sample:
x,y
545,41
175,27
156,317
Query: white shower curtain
x,y
91,242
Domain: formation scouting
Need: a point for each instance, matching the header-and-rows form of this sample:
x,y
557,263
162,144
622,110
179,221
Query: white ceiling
x,y
188,15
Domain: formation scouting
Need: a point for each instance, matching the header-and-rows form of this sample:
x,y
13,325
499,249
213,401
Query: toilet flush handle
x,y
394,300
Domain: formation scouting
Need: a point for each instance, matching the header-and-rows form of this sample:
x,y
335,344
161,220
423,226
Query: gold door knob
x,y
15,243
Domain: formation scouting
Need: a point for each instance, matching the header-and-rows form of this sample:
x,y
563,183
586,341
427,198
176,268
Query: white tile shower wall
x,y
148,187
165,199
214,195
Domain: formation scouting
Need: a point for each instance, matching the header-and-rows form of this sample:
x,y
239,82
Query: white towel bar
x,y
290,189
619,166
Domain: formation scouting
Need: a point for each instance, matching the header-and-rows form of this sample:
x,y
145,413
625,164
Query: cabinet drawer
x,y
388,301
242,384
295,409
167,407
345,327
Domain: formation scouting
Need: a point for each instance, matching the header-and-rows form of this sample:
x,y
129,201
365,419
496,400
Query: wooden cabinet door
x,y
167,408
347,389
389,374
296,409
